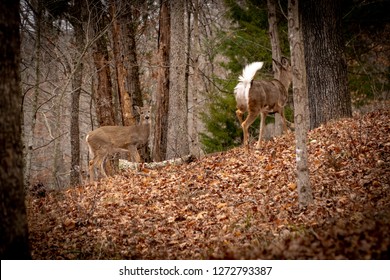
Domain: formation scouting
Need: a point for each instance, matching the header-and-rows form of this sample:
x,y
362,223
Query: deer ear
x,y
137,109
285,62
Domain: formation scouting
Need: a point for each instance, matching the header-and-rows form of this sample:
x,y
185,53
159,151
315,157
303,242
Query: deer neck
x,y
285,81
146,128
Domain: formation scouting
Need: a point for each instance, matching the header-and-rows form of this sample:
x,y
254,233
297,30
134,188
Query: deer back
x,y
267,96
120,136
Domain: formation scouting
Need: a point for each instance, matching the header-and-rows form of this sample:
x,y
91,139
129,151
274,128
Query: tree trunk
x,y
129,23
162,95
13,226
326,67
103,93
119,56
177,142
276,54
75,127
131,61
301,107
77,80
194,145
29,131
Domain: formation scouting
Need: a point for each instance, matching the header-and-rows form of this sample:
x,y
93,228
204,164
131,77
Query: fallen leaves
x,y
232,204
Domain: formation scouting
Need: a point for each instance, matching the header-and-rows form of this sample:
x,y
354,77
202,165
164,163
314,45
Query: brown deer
x,y
262,97
107,140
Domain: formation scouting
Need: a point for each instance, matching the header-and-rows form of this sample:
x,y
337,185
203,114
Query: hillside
x,y
232,204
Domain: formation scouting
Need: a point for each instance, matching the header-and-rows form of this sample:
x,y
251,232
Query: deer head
x,y
283,72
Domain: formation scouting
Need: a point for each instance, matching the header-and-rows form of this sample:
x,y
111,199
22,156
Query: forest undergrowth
x,y
232,205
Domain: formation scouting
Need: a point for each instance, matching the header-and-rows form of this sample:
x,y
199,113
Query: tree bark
x,y
162,94
177,142
131,61
129,24
194,145
301,112
103,93
119,56
276,54
326,67
78,16
29,131
13,226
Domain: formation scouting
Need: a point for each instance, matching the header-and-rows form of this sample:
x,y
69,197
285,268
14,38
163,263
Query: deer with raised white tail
x,y
107,140
262,97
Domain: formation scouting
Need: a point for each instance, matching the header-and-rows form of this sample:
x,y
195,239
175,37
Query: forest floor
x,y
232,205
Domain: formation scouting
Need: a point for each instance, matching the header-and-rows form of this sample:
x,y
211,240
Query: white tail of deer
x,y
261,97
107,140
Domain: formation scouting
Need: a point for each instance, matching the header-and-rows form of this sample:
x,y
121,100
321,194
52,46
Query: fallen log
x,y
125,164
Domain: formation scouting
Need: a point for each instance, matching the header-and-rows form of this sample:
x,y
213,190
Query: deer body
x,y
107,140
261,97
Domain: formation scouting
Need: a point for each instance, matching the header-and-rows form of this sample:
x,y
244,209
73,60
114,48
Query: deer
x,y
107,140
261,96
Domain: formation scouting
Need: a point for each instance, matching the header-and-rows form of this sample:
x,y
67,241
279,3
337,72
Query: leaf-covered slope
x,y
233,204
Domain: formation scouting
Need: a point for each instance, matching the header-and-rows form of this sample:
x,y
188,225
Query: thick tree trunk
x,y
13,226
125,99
329,97
129,23
103,93
177,142
131,61
301,107
162,95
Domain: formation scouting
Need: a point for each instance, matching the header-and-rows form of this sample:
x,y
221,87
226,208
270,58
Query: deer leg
x,y
262,124
284,120
91,171
97,161
102,162
239,115
135,157
245,126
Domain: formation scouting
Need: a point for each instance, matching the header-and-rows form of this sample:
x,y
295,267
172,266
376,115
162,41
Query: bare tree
x,y
276,54
13,226
129,26
103,92
301,103
162,94
195,94
177,141
29,133
119,56
77,18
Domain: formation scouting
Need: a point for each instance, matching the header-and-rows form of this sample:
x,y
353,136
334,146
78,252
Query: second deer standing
x,y
262,97
107,140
